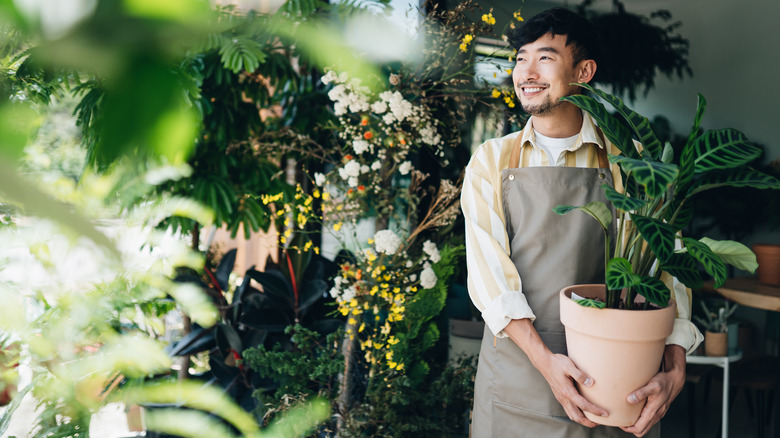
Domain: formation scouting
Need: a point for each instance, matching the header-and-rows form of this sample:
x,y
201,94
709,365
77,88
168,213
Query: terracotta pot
x,y
768,257
716,344
620,349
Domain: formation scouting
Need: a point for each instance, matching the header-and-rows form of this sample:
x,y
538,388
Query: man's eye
x,y
544,57
520,59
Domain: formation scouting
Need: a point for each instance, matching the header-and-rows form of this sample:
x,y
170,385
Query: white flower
x,y
350,292
329,77
428,277
340,108
365,169
388,119
376,165
394,79
412,278
429,135
352,181
405,168
319,179
337,93
433,252
360,146
386,241
379,107
351,169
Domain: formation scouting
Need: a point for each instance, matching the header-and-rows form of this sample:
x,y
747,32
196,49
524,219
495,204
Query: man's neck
x,y
563,123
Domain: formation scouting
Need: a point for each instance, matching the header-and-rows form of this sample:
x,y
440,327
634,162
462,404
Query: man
x,y
520,254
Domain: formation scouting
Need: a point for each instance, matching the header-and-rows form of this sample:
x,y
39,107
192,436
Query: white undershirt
x,y
554,147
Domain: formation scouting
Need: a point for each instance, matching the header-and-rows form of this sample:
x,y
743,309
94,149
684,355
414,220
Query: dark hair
x,y
580,33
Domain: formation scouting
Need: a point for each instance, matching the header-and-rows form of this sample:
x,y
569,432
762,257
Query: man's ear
x,y
586,70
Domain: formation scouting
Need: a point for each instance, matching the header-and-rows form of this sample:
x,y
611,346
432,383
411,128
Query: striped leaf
x,y
637,122
654,291
654,176
596,209
688,156
733,253
619,274
616,132
621,201
659,235
723,149
740,178
589,302
712,262
684,215
684,268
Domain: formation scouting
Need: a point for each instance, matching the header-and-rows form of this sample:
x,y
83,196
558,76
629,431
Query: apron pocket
x,y
517,383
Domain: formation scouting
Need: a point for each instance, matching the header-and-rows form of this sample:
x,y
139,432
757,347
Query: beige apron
x,y
511,398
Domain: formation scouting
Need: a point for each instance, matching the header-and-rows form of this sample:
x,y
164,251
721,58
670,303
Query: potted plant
x,y
716,326
651,207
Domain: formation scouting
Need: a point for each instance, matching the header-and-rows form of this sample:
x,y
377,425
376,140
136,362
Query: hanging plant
x,y
637,48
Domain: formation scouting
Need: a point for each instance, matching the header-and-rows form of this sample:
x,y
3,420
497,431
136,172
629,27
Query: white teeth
x,y
532,90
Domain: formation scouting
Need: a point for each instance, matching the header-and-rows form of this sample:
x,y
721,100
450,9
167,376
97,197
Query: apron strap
x,y
602,152
514,158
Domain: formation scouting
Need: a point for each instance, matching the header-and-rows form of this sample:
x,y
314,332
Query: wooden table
x,y
748,291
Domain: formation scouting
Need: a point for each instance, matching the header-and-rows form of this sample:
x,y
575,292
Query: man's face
x,y
542,74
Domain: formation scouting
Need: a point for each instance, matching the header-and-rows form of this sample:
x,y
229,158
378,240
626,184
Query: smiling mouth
x,y
530,90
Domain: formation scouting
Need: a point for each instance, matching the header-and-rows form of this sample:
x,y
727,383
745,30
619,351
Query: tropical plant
x,y
250,318
654,202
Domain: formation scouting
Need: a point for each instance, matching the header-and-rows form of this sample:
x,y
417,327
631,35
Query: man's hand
x,y
559,371
660,391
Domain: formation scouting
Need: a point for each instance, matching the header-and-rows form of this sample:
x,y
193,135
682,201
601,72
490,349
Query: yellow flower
x,y
488,18
337,226
467,38
307,246
353,303
325,196
352,321
362,327
283,239
507,99
517,16
344,311
496,93
370,241
511,104
316,250
316,193
509,71
400,367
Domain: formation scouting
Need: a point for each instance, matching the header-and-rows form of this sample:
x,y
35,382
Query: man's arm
x,y
660,391
559,371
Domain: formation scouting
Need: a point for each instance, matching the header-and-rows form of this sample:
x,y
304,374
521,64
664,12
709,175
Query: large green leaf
x,y
688,156
658,234
740,178
620,275
654,176
684,268
621,201
596,209
654,291
615,131
733,253
637,122
712,262
723,149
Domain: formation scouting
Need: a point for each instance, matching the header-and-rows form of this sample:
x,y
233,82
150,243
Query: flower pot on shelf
x,y
768,257
716,343
620,349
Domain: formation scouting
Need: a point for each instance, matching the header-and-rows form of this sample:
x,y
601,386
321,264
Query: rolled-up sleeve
x,y
493,281
685,333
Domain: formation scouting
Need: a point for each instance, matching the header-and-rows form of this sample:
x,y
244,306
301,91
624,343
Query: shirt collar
x,y
588,133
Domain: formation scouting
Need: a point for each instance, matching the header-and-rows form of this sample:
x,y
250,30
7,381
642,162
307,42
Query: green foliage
x,y
589,302
309,369
656,202
436,406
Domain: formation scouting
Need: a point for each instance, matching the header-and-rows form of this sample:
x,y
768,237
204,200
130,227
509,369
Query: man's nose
x,y
528,71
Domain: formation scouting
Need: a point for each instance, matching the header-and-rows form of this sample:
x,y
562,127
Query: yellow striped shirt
x,y
494,284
